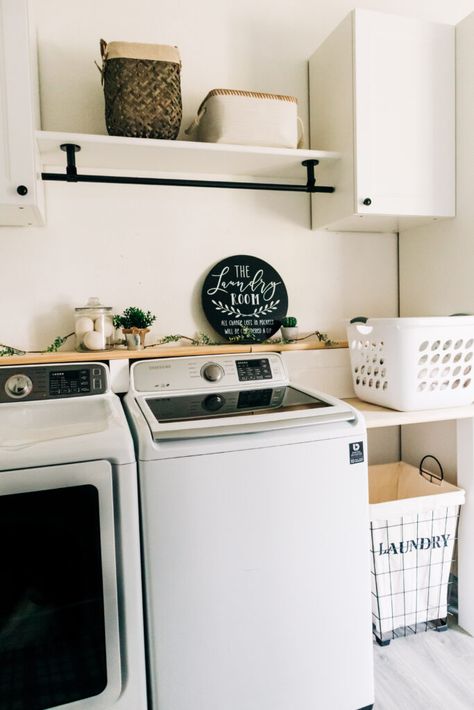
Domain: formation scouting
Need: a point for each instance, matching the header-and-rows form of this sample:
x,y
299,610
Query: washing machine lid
x,y
51,433
55,422
238,411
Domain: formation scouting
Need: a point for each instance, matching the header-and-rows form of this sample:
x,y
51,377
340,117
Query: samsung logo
x,y
159,367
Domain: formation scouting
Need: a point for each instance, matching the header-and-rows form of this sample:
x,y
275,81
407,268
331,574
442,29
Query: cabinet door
x,y
19,117
404,115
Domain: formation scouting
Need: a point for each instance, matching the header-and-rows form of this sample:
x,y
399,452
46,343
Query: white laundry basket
x,y
413,363
413,525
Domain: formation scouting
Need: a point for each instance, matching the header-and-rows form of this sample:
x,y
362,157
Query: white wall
x,y
151,246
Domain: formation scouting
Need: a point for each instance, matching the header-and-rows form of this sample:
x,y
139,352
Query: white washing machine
x,y
71,621
254,510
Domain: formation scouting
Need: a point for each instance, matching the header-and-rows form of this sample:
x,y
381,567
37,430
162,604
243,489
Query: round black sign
x,y
244,299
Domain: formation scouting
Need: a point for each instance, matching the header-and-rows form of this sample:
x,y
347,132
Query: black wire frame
x,y
408,621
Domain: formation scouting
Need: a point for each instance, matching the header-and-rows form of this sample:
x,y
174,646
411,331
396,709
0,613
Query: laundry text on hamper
x,y
421,543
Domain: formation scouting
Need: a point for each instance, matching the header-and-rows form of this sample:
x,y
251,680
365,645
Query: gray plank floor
x,y
426,671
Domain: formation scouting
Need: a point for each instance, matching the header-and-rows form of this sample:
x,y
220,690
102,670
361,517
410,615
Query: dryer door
x,y
59,633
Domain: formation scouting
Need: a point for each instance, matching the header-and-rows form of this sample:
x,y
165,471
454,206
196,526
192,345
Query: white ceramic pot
x,y
135,337
289,333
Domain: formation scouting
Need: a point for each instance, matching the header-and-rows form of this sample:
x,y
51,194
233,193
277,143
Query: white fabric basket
x,y
247,118
413,524
413,363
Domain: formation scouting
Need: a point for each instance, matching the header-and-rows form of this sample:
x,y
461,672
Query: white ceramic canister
x,y
94,326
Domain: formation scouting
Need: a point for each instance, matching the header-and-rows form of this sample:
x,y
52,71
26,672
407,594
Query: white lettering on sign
x,y
245,293
244,298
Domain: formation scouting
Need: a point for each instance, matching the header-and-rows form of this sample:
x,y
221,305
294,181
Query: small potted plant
x,y
135,325
289,328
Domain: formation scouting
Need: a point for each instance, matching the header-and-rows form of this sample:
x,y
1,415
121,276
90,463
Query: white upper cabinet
x,y
382,94
21,190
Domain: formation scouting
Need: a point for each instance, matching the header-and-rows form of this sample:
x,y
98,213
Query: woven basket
x,y
142,89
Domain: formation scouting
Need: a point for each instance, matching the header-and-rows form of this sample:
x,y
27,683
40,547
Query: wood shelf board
x,y
310,345
376,416
162,157
159,351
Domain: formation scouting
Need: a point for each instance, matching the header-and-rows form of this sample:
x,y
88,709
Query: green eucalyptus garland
x,y
200,339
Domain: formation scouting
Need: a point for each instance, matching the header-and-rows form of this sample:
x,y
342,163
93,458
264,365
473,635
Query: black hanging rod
x,y
71,175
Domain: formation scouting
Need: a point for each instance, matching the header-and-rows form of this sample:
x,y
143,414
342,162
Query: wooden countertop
x,y
377,417
161,351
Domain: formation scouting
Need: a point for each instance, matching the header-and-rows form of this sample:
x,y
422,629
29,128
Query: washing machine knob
x,y
212,372
213,402
18,386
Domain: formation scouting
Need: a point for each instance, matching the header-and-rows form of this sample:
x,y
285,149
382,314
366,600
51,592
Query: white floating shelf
x,y
165,157
376,416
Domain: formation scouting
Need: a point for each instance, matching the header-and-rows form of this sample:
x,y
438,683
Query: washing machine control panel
x,y
255,369
41,382
208,372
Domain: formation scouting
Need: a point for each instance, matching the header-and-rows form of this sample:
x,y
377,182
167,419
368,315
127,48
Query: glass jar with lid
x,y
94,326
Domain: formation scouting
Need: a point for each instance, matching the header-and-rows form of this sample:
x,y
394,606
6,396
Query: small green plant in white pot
x,y
289,328
135,325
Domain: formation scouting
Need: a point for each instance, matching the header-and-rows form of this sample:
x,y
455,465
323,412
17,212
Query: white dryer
x,y
71,629
254,509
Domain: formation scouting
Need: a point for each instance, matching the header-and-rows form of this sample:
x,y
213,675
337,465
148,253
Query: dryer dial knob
x,y
212,372
213,402
18,386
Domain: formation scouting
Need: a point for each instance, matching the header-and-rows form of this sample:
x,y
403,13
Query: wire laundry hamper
x,y
413,363
413,528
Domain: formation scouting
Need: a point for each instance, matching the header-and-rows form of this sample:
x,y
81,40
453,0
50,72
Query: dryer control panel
x,y
41,382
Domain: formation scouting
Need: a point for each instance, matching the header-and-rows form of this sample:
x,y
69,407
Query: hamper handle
x,y
363,319
439,478
103,49
103,54
196,121
360,323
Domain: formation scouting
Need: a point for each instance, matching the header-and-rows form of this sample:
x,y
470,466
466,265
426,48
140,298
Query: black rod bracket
x,y
311,180
71,175
71,171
